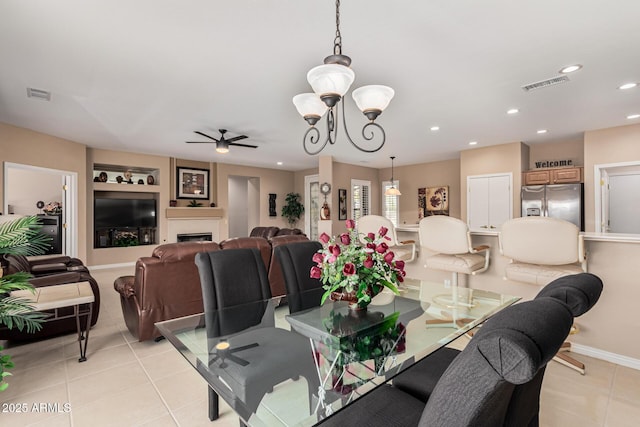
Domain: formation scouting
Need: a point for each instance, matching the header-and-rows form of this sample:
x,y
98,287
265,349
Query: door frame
x,y
70,197
308,179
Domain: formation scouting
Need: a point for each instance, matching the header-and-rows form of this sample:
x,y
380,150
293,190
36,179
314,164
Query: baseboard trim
x,y
606,355
107,266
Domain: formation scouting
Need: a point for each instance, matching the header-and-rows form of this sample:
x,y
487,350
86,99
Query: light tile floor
x,y
128,383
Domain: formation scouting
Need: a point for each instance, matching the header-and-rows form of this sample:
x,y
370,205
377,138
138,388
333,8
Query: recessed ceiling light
x,y
542,131
628,86
633,116
473,143
513,111
279,163
435,128
570,69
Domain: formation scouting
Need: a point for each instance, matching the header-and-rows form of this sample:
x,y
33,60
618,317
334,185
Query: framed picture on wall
x,y
342,204
437,200
192,183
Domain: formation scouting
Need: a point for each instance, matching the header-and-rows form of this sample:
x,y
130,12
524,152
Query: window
x,y
360,200
391,204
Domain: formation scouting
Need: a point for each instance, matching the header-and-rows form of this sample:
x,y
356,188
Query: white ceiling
x,y
142,76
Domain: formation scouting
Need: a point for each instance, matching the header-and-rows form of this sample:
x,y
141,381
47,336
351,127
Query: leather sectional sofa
x,y
166,285
48,270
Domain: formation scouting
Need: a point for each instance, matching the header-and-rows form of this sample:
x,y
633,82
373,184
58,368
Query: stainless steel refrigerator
x,y
564,201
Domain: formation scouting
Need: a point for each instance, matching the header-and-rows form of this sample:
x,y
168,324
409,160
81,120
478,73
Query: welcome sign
x,y
553,163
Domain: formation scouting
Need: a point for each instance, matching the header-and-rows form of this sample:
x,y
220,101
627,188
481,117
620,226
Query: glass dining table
x,y
274,368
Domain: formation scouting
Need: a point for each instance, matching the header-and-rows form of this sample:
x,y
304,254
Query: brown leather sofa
x,y
166,285
49,270
270,232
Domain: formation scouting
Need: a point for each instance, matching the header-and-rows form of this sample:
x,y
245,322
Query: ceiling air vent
x,y
38,94
545,83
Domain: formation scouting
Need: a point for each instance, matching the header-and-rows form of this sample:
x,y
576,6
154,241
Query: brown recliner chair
x,y
49,271
41,265
166,285
271,232
260,243
264,232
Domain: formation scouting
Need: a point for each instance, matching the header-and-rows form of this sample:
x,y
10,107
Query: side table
x,y
56,297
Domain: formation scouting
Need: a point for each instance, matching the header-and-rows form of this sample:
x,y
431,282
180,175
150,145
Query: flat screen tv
x,y
120,213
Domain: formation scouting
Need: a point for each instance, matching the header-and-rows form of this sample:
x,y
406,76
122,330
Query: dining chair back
x,y
296,260
231,280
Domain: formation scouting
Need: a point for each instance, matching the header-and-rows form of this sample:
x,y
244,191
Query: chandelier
x,y
330,82
392,191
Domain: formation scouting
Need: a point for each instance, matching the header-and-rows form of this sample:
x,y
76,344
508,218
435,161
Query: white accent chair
x,y
404,250
541,249
451,240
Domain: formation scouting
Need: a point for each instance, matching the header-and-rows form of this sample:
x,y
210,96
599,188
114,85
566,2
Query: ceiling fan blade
x,y
236,138
205,135
199,142
243,145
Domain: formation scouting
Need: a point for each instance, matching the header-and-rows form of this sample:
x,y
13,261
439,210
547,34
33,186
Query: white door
x,y
478,203
500,208
624,203
489,201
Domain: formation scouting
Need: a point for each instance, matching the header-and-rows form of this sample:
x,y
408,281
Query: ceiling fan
x,y
222,144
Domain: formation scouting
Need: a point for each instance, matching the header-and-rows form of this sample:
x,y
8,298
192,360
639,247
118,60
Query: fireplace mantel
x,y
185,212
185,220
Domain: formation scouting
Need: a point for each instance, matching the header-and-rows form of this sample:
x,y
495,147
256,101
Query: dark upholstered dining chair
x,y
480,386
232,279
579,292
303,292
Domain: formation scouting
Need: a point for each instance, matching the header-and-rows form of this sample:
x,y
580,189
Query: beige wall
x,y
412,177
506,158
271,181
343,173
613,145
571,149
18,145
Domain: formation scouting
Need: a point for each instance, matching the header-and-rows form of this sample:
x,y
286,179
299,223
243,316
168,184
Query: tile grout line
x,y
610,396
153,384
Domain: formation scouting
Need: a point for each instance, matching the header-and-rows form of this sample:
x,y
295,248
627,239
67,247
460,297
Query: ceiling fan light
x,y
330,79
309,105
392,191
373,97
222,147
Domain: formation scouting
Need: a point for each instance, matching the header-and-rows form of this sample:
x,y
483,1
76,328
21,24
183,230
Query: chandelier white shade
x,y
309,105
330,79
373,97
331,82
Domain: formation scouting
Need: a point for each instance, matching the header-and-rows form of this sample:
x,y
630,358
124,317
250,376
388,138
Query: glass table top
x,y
277,368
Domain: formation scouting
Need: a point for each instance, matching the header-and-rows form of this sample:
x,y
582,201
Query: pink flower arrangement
x,y
346,265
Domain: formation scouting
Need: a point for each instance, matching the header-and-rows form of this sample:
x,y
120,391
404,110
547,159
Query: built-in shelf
x,y
134,188
187,212
139,176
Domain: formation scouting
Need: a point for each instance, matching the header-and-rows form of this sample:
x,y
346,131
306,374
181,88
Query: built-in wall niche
x,y
122,219
114,174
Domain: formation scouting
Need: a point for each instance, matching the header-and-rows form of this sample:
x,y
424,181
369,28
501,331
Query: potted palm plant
x,y
18,237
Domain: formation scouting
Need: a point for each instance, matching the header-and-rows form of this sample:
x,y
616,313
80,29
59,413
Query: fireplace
x,y
195,237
